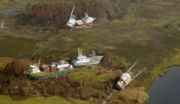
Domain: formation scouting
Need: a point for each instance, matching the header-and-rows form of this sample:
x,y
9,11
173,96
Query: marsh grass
x,y
40,100
150,34
11,47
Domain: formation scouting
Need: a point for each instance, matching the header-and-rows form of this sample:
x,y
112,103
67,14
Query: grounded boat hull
x,y
44,75
93,61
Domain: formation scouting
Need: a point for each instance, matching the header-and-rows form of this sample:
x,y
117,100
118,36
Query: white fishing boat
x,y
84,22
83,60
127,77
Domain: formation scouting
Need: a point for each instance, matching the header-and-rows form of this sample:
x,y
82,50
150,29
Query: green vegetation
x,y
11,47
41,100
148,30
3,62
160,69
40,74
169,62
92,75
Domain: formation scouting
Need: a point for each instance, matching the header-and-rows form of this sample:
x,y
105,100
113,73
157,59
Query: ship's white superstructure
x,y
127,77
83,60
63,65
86,20
55,66
34,69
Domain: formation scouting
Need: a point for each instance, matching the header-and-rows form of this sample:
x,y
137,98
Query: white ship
x,y
85,21
62,65
83,60
127,77
53,67
34,69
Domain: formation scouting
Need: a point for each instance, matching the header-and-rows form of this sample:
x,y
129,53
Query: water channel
x,y
166,89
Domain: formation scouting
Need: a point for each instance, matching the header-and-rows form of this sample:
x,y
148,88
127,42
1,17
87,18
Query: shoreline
x,y
161,69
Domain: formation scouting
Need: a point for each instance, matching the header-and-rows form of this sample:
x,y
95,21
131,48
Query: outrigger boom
x,y
132,66
139,73
72,10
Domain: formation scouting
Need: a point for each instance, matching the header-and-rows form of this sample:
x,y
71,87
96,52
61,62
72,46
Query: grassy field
x,y
40,100
11,47
149,32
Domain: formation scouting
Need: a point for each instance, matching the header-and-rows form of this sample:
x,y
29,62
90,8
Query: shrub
x,y
16,67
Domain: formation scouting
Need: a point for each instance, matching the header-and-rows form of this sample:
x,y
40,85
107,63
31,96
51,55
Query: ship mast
x,y
80,52
2,25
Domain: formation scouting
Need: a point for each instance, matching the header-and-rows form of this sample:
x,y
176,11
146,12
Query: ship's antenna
x,y
80,52
72,10
2,26
39,63
93,53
